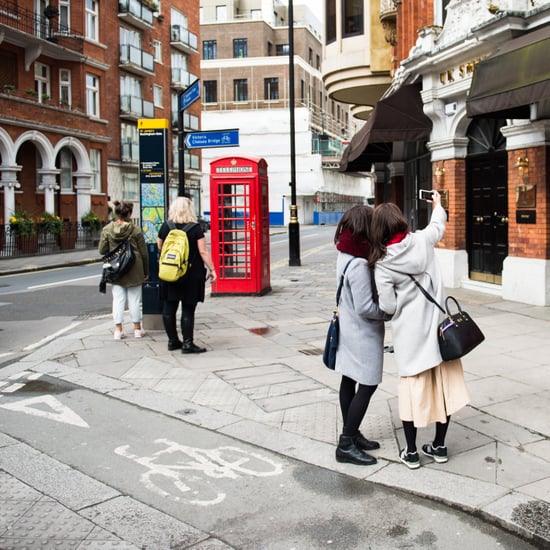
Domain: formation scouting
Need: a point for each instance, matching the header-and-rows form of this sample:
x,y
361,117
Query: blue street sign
x,y
215,138
190,95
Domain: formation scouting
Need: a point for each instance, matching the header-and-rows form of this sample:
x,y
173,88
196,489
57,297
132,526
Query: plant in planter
x,y
49,223
91,220
31,92
21,224
8,88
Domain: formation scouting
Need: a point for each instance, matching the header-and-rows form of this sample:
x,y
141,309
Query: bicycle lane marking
x,y
225,461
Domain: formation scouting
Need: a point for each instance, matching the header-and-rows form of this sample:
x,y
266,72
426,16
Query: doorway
x,y
487,201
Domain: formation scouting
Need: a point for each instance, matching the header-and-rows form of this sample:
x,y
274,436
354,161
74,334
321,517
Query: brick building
x,y
467,111
75,77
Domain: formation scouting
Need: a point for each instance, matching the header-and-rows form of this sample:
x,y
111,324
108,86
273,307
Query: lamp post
x,y
293,225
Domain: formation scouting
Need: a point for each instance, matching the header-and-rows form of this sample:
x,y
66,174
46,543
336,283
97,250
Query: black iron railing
x,y
75,236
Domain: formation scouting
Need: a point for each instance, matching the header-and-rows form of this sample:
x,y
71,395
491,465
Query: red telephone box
x,y
239,225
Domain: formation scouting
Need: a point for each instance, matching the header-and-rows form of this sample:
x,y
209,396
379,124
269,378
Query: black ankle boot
x,y
174,344
347,451
170,327
365,444
190,347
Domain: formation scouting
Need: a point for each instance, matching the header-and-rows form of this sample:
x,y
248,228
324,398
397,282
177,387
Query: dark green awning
x,y
516,76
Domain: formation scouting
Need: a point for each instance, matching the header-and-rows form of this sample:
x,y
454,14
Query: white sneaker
x,y
119,334
139,333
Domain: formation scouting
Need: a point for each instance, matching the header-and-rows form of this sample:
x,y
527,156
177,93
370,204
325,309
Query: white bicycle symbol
x,y
221,462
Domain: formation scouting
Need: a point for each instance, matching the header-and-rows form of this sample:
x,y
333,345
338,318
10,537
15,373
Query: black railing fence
x,y
75,236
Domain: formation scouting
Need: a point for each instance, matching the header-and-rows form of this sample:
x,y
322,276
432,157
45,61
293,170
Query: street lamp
x,y
293,225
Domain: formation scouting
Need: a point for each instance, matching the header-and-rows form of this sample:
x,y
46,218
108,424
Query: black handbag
x,y
458,334
117,262
333,333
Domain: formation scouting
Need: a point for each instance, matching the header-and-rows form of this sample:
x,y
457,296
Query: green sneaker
x,y
409,459
439,454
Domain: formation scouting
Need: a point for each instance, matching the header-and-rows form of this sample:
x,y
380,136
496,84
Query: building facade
x,y
75,77
469,115
245,85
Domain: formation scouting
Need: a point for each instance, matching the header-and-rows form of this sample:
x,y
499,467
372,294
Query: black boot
x,y
365,444
347,451
172,332
190,347
187,329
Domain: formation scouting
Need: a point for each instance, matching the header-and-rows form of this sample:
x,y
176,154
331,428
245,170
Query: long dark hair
x,y
357,220
387,220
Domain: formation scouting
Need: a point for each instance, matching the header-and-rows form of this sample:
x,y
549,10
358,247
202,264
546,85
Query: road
x,y
247,496
37,307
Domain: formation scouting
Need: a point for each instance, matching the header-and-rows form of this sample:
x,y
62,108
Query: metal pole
x,y
181,150
293,225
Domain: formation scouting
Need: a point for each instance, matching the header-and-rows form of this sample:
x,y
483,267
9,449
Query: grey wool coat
x,y
361,344
113,234
414,318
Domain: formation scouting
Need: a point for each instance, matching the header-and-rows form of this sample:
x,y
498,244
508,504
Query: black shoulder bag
x,y
116,263
457,334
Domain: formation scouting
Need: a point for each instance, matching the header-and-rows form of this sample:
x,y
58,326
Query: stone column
x,y
49,185
9,182
83,193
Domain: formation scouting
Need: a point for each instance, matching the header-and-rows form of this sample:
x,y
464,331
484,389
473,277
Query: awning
x,y
515,76
398,117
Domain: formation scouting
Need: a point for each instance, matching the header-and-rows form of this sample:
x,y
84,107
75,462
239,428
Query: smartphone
x,y
425,194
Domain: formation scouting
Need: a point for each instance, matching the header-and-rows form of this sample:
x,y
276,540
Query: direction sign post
x,y
185,98
212,138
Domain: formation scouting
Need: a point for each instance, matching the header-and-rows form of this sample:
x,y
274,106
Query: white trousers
x,y
121,295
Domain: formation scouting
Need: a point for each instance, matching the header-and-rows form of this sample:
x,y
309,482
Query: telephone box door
x,y
239,220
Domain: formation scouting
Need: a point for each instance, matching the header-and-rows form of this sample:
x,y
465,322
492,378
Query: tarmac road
x,y
238,493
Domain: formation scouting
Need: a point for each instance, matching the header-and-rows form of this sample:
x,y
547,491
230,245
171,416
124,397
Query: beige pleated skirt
x,y
433,395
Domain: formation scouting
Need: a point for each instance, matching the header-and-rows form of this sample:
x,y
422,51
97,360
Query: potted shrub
x,y
23,227
49,223
91,221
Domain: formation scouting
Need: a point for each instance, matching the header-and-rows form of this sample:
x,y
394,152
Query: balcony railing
x,y
135,106
182,79
328,147
130,152
39,26
136,9
137,58
180,35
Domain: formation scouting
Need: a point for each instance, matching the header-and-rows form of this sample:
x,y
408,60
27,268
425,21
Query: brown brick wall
x,y
529,240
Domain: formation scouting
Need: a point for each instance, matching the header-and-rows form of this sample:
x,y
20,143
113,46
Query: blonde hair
x,y
182,211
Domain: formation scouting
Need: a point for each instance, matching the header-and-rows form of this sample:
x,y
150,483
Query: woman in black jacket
x,y
191,288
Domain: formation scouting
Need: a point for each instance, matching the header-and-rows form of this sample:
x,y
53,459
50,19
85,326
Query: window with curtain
x,y
330,28
92,17
210,49
240,47
271,89
240,89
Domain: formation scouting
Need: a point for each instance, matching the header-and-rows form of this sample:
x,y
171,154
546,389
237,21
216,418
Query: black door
x,y
487,216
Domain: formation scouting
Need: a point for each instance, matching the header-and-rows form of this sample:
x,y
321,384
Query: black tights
x,y
410,434
354,403
169,309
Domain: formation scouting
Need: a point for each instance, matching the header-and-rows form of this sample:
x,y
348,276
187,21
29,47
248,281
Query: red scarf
x,y
348,244
397,238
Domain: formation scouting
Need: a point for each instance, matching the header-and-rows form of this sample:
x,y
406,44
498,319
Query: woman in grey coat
x,y
361,343
430,390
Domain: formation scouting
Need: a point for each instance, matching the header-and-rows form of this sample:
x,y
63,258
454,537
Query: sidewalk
x,y
262,381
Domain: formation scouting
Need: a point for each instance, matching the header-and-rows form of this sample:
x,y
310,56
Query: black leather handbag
x,y
458,334
333,333
116,263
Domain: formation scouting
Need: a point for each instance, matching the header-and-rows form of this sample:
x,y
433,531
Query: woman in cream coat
x,y
430,390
